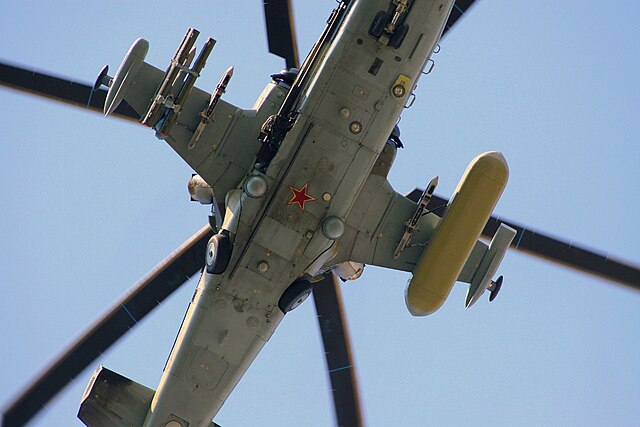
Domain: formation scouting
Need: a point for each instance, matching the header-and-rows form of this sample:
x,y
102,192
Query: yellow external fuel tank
x,y
446,253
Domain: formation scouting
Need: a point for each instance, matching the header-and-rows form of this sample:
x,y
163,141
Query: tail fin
x,y
113,400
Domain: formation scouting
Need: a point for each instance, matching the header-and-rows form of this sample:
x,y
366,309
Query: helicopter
x,y
396,288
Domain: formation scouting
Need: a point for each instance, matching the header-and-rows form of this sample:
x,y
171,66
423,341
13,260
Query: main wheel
x,y
398,36
218,253
380,21
294,295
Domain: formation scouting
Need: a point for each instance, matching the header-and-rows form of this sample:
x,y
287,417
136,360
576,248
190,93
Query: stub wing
x,y
377,223
441,250
215,138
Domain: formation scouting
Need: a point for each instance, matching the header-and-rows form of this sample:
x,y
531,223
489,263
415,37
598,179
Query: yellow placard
x,y
401,86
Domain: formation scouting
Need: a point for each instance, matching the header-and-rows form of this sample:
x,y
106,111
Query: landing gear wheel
x,y
294,295
218,253
398,36
377,25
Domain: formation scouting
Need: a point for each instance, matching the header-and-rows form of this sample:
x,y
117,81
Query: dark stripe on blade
x,y
459,8
123,315
281,33
568,254
60,89
539,244
337,350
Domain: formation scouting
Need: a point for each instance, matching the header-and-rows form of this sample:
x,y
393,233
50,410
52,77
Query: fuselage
x,y
347,110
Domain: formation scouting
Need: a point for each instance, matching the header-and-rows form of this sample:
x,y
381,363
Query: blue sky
x,y
91,204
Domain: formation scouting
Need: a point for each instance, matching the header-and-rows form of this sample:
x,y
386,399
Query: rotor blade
x,y
60,89
337,349
460,7
281,32
539,244
123,315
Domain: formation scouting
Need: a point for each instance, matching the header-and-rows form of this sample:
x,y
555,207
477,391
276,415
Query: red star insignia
x,y
300,197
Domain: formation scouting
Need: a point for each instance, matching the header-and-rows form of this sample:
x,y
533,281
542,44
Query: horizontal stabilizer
x,y
113,400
